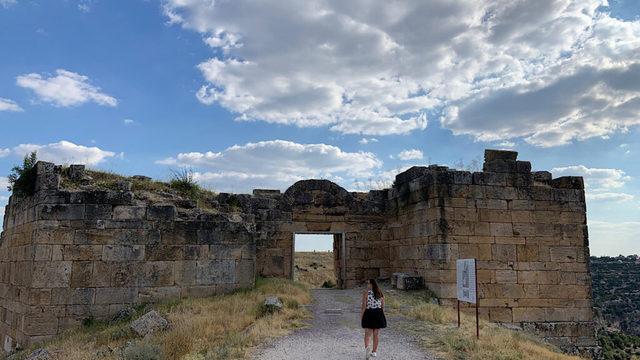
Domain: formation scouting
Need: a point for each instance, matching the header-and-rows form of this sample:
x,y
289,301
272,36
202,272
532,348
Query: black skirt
x,y
374,319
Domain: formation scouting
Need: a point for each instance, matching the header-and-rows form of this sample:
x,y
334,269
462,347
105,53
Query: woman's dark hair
x,y
377,293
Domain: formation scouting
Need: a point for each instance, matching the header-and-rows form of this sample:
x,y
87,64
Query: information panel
x,y
466,280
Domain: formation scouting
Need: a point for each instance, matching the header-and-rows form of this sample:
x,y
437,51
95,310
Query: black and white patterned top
x,y
372,302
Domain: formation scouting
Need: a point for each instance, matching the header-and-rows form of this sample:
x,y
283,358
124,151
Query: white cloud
x,y
412,154
65,152
274,164
128,121
549,72
65,89
614,238
4,183
608,196
595,178
6,3
365,141
4,152
9,105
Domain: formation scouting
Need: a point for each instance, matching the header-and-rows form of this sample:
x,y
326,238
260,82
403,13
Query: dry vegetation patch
x,y
436,328
315,268
218,327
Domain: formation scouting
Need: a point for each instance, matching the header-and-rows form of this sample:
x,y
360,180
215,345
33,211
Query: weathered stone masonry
x,y
66,255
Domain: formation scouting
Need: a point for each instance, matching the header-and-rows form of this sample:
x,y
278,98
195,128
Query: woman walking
x,y
372,314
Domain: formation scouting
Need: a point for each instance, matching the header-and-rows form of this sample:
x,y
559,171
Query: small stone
x,y
149,323
39,354
76,172
272,304
141,178
123,314
124,185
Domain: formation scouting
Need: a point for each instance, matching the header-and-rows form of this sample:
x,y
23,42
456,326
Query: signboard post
x,y
467,286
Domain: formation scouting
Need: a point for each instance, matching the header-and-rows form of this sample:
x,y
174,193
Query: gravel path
x,y
335,333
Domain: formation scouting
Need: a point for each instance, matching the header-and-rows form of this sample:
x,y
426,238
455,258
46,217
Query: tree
x,y
22,180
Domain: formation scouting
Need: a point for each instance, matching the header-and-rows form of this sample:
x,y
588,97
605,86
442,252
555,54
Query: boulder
x,y
123,314
410,282
149,323
272,304
39,354
394,278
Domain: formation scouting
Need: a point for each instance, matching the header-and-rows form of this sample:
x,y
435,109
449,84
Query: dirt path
x,y
335,333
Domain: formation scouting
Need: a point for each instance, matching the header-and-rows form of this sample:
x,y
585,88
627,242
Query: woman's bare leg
x,y
367,335
376,339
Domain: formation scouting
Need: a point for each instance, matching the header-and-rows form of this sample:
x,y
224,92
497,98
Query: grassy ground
x,y
436,327
314,268
219,327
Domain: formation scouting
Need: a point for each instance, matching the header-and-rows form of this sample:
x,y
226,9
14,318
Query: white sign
x,y
466,280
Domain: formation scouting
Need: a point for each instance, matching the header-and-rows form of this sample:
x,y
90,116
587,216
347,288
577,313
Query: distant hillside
x,y
616,298
616,291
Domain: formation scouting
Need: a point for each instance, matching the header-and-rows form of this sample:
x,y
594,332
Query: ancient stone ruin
x,y
69,253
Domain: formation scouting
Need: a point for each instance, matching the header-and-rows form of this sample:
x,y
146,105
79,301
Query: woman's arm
x,y
382,302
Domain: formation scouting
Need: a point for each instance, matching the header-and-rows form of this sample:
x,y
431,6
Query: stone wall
x,y
67,255
527,231
320,206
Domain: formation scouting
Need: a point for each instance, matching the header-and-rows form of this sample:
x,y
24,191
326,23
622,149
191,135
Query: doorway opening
x,y
317,259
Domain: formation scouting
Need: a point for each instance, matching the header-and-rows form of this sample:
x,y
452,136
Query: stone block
x,y
60,212
500,315
161,212
40,324
124,212
506,276
462,177
81,274
504,253
492,215
123,274
185,273
98,211
410,282
47,176
501,229
568,182
542,177
76,172
115,295
210,272
123,253
67,296
149,323
157,273
82,252
50,274
563,253
156,294
491,155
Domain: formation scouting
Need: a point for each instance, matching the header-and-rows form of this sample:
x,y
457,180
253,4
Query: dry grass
x,y
145,189
314,268
437,330
219,327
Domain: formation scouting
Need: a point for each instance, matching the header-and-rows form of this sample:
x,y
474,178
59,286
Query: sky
x,y
260,94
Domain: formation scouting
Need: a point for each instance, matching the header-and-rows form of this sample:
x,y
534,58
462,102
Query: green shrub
x,y
22,180
183,182
142,350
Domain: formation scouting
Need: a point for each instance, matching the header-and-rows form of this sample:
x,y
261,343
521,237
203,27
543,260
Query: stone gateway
x,y
68,254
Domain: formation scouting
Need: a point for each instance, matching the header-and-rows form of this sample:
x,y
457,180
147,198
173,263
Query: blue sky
x,y
261,95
